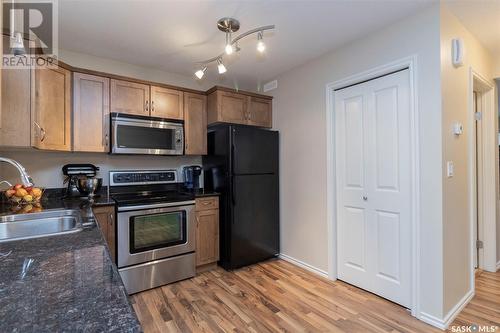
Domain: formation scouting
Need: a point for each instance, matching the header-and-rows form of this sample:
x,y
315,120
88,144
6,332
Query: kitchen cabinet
x,y
227,107
195,124
146,100
260,112
51,109
167,103
129,97
105,218
207,232
15,124
233,107
90,113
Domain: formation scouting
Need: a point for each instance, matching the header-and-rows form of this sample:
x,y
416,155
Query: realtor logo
x,y
31,26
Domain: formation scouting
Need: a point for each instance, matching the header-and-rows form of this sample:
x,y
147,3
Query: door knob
x,y
365,198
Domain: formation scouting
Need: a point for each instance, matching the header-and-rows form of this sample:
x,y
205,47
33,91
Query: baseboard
x,y
303,265
450,316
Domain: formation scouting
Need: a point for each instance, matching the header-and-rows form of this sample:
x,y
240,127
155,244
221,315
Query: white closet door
x,y
373,167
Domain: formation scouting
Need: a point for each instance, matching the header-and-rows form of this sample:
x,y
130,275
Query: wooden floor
x,y
277,296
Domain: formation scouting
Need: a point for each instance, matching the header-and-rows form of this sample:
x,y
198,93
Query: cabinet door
x,y
260,112
195,124
52,109
90,113
167,103
232,107
105,217
129,97
207,237
15,119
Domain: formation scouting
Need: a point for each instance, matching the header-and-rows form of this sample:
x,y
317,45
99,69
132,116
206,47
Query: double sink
x,y
42,224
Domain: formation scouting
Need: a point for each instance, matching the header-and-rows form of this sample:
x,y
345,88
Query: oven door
x,y
146,234
140,135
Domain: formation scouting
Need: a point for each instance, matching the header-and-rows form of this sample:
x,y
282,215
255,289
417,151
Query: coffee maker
x,y
192,177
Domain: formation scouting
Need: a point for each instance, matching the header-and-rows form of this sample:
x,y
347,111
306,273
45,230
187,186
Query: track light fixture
x,y
230,25
261,47
200,72
220,66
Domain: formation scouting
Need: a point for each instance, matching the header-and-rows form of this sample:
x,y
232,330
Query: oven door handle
x,y
153,206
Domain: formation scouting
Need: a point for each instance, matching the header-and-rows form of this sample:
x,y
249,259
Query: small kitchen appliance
x,y
74,173
192,177
155,228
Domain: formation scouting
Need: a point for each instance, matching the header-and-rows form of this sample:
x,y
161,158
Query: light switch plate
x,y
450,169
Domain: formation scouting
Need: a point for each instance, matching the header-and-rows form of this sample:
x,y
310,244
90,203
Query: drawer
x,y
207,203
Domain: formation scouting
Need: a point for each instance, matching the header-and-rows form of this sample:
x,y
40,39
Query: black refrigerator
x,y
242,165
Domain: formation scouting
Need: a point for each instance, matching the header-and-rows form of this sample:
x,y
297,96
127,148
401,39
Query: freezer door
x,y
254,150
255,224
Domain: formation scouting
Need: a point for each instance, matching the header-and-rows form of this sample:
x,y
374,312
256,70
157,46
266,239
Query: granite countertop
x,y
64,283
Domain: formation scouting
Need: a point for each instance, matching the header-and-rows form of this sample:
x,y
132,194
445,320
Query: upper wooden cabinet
x,y
15,119
90,113
195,124
167,103
51,109
130,97
239,108
260,112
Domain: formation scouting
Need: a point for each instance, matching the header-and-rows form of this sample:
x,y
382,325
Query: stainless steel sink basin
x,y
34,225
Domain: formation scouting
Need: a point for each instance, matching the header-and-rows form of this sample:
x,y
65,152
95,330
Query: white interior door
x,y
373,161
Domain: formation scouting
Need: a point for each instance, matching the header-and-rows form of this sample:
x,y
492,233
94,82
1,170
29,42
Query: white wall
x,y
457,190
301,118
497,66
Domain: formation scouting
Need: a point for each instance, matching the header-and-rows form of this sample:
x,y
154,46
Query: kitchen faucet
x,y
25,178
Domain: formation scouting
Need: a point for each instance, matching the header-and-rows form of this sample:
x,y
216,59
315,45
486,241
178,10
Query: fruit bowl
x,y
23,195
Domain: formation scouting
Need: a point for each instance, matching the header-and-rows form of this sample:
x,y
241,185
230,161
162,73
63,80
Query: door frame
x,y
484,191
411,64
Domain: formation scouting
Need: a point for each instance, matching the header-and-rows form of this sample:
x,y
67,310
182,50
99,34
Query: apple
x,y
36,192
21,192
28,198
10,193
17,186
29,188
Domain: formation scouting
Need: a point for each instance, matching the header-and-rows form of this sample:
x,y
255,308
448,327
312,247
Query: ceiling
x,y
174,35
482,19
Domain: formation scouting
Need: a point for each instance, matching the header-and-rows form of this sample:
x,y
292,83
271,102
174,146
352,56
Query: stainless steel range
x,y
155,229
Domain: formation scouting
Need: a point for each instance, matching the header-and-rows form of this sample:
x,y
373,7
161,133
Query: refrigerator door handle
x,y
232,192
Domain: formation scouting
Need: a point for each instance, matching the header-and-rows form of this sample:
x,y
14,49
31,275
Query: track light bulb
x,y
200,73
222,69
229,47
261,47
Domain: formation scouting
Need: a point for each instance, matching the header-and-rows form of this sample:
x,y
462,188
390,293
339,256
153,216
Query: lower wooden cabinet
x,y
105,216
207,231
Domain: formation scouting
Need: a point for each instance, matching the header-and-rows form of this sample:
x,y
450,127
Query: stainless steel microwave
x,y
146,135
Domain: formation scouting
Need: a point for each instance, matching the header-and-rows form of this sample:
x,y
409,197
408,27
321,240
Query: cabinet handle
x,y
197,221
147,105
106,140
111,219
42,131
152,106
